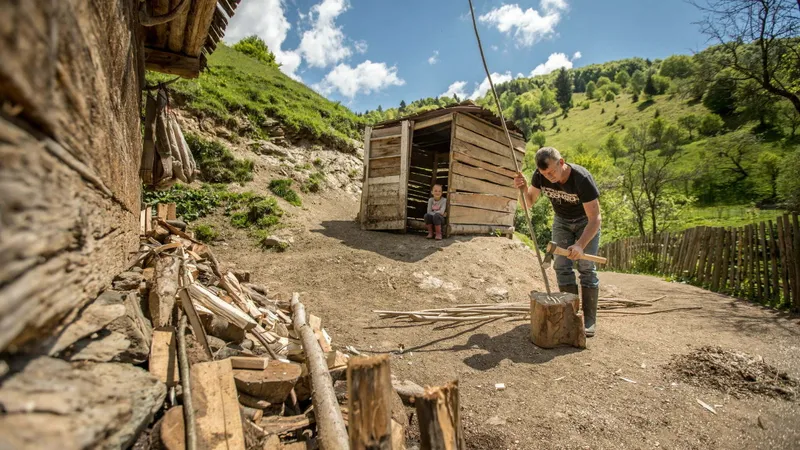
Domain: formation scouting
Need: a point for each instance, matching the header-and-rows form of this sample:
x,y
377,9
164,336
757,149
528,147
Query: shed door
x,y
386,162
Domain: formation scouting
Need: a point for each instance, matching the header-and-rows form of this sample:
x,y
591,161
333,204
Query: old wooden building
x,y
463,148
71,84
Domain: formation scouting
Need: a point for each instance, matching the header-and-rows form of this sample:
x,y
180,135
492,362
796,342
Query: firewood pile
x,y
231,365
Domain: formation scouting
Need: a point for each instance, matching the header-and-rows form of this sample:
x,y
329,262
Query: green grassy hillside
x,y
236,86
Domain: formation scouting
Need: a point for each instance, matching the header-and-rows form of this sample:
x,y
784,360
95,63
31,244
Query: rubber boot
x,y
571,288
589,299
438,232
429,226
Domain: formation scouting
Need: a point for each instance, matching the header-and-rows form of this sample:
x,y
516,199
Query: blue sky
x,y
370,52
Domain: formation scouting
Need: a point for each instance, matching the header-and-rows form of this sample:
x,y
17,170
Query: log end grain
x,y
272,384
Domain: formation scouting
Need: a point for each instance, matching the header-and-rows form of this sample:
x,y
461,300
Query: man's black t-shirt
x,y
568,198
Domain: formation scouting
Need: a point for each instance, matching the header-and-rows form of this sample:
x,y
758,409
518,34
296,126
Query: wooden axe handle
x,y
587,257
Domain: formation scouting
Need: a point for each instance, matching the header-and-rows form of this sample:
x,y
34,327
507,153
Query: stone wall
x,y
70,143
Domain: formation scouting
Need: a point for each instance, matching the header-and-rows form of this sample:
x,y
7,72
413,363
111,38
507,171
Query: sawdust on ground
x,y
620,392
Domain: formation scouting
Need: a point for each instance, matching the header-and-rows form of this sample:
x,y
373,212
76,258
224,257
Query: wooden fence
x,y
758,261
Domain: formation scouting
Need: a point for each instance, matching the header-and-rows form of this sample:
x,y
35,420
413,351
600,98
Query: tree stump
x,y
556,320
439,415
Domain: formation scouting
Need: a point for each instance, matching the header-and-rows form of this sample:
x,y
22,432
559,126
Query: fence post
x,y
784,270
765,259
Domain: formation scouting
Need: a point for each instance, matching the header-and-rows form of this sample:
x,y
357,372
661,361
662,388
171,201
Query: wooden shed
x,y
463,148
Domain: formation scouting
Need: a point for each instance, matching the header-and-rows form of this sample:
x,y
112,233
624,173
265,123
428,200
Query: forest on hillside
x,y
719,127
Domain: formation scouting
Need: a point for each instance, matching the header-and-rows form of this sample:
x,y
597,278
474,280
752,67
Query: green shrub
x,y
283,189
259,212
255,47
314,182
610,97
216,163
538,139
711,125
205,233
191,204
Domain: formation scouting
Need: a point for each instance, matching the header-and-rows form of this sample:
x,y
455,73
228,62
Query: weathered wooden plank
x,y
471,137
394,179
382,213
773,259
375,200
476,216
483,165
764,273
385,189
784,270
157,35
219,426
366,184
432,122
406,128
380,151
197,26
385,172
481,174
454,229
462,183
490,202
163,363
796,258
382,163
386,225
489,131
476,152
381,132
172,63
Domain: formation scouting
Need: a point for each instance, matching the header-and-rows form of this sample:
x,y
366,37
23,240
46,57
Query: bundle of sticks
x,y
493,311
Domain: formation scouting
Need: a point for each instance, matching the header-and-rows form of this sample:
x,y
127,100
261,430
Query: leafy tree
x,y
590,89
622,78
789,183
255,47
650,87
769,164
638,81
538,139
753,103
402,106
603,81
614,87
661,84
711,125
691,122
677,66
789,116
758,40
613,147
721,95
610,97
547,101
564,90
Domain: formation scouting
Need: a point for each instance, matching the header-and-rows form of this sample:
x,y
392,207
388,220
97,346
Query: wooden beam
x,y
432,122
198,25
163,363
366,181
171,63
407,130
225,4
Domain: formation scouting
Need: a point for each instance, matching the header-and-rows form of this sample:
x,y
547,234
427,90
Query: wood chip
x,y
706,406
628,380
243,362
500,386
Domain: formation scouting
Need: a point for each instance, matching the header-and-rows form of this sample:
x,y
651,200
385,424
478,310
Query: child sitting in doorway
x,y
437,207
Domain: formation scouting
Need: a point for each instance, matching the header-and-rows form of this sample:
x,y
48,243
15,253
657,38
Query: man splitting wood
x,y
576,227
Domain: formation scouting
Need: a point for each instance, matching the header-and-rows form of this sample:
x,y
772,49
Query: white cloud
x,y
528,26
324,44
577,55
365,78
554,62
265,19
495,48
360,47
484,87
457,88
434,58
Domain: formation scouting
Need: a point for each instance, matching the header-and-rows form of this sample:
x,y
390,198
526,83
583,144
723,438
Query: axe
x,y
553,248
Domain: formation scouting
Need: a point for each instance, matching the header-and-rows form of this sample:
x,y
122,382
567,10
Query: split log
x,y
163,362
556,320
240,298
220,307
219,426
408,391
253,414
336,359
439,414
164,290
218,327
242,362
273,384
194,320
332,431
398,436
189,389
252,402
288,424
369,404
172,432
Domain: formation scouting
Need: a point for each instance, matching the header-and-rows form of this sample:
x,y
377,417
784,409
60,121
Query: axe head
x,y
548,255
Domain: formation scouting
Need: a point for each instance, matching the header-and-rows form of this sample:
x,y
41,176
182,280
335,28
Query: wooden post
x,y
369,404
406,136
732,245
784,269
556,320
740,261
719,245
773,260
439,414
365,183
765,258
796,259
794,270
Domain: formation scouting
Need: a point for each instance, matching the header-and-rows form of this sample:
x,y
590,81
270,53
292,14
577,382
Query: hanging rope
x,y
511,148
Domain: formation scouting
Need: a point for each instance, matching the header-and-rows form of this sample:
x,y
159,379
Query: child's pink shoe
x,y
430,231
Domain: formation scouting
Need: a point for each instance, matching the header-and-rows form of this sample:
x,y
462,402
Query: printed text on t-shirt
x,y
560,195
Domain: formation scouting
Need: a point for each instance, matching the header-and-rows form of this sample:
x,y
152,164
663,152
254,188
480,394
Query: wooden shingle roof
x,y
180,46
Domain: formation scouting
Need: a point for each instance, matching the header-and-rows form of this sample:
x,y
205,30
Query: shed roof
x,y
467,106
180,45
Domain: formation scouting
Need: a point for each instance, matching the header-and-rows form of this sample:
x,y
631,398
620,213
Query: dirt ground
x,y
563,398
